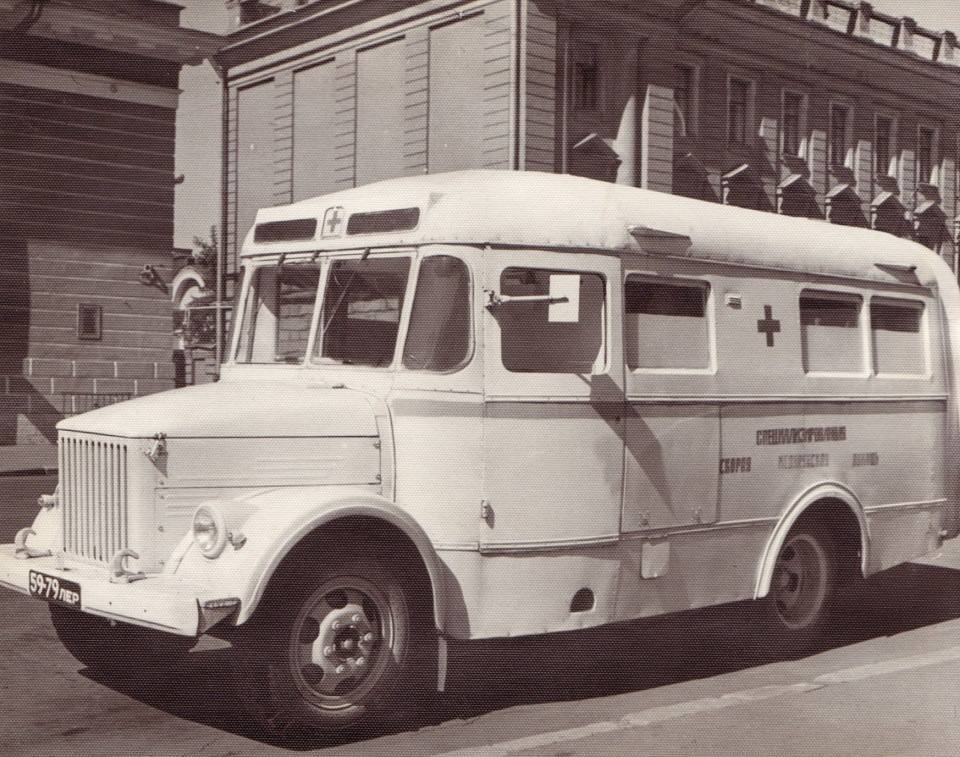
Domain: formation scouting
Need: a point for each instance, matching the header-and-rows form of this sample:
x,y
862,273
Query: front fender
x,y
274,522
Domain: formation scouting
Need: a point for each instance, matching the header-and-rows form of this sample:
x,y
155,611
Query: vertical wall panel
x,y
818,120
345,135
907,141
497,83
713,103
456,95
380,112
863,128
230,202
818,162
541,89
656,161
863,166
770,139
255,158
315,124
417,90
948,178
283,138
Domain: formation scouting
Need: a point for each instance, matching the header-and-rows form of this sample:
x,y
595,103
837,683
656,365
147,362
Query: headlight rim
x,y
219,543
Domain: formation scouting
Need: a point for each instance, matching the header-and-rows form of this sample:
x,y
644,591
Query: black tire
x,y
115,647
334,646
802,599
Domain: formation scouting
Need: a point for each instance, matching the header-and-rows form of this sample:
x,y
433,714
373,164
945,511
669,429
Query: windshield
x,y
276,321
361,311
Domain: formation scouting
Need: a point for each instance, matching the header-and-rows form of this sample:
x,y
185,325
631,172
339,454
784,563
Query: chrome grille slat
x,y
93,484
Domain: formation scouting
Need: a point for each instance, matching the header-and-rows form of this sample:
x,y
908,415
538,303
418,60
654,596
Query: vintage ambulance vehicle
x,y
490,404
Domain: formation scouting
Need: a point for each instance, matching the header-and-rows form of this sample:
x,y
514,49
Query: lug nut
x,y
368,637
336,625
360,662
356,618
348,644
340,670
328,651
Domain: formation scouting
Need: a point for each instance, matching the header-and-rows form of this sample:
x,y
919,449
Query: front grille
x,y
93,490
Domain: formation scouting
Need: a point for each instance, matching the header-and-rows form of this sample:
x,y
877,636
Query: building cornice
x,y
67,23
91,85
664,14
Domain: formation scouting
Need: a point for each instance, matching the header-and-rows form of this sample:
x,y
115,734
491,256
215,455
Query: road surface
x,y
703,683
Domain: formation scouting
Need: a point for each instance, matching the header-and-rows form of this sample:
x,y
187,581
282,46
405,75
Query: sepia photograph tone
x,y
479,378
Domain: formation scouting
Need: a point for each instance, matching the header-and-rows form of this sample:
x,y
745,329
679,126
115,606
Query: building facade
x,y
88,99
819,108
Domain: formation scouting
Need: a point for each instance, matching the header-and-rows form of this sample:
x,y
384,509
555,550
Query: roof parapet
x,y
862,20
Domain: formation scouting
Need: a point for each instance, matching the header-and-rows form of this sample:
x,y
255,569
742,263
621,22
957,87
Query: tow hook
x,y
50,501
22,551
118,573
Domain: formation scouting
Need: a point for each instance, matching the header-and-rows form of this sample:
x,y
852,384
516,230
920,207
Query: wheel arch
x,y
829,495
378,519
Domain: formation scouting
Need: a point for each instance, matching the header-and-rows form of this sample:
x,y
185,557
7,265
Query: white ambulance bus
x,y
491,404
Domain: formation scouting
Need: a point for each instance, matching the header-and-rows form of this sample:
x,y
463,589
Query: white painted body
x,y
521,489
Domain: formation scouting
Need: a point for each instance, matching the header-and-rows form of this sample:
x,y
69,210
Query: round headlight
x,y
209,531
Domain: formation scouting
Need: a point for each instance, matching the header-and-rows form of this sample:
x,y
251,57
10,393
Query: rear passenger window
x,y
898,341
830,335
666,324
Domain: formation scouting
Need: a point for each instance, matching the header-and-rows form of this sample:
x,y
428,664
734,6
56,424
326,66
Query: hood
x,y
229,410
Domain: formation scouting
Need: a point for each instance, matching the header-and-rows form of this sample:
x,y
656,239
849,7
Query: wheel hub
x,y
337,644
799,584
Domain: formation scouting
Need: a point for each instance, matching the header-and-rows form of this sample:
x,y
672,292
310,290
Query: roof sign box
x,y
379,222
285,231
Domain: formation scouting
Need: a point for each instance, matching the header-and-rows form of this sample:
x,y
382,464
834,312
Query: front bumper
x,y
159,601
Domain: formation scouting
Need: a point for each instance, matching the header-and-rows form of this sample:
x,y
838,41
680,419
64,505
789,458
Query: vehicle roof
x,y
533,209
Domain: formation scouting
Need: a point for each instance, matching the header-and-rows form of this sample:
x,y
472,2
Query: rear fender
x,y
273,523
808,499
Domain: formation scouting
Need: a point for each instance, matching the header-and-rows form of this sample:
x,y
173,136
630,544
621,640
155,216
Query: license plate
x,y
53,589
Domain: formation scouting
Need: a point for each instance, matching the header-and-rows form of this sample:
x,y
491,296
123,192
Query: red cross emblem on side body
x,y
768,325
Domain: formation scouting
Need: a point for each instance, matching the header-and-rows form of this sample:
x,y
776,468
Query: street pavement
x,y
887,682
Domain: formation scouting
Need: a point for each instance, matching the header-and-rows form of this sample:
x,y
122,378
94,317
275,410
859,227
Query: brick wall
x,y
87,203
46,370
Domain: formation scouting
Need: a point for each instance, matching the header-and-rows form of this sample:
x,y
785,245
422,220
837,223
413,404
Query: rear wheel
x,y
802,591
332,648
115,647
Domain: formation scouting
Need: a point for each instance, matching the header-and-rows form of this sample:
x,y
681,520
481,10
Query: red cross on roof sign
x,y
333,220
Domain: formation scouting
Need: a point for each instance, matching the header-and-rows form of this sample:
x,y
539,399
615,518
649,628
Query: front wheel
x,y
328,650
801,598
113,647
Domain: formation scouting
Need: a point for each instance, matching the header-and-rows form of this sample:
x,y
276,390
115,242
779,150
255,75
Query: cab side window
x,y
666,325
532,341
438,338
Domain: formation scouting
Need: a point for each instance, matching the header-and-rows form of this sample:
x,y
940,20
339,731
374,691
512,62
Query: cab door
x,y
553,399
